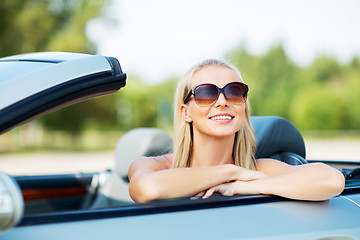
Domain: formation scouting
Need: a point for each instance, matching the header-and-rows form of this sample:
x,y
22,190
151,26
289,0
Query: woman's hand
x,y
241,185
232,188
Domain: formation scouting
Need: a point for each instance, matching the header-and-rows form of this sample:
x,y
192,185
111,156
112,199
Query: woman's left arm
x,y
313,181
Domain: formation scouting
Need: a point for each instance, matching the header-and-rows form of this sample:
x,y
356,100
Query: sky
x,y
158,39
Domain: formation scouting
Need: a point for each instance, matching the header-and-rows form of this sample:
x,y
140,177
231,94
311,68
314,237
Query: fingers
x,y
230,189
209,192
224,189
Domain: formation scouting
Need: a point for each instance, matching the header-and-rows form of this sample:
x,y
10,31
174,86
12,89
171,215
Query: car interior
x,y
276,138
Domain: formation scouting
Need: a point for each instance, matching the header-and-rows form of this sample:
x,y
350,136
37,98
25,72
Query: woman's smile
x,y
222,118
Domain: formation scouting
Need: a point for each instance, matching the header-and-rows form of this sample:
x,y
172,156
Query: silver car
x,y
98,206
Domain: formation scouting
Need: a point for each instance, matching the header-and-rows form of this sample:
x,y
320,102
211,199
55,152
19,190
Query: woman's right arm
x,y
151,179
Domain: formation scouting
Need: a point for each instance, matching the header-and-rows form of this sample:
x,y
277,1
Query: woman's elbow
x,y
333,181
141,190
337,182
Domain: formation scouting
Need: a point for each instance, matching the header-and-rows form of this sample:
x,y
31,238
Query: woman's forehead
x,y
218,75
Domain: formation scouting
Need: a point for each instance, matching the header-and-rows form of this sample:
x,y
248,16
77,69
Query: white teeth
x,y
221,118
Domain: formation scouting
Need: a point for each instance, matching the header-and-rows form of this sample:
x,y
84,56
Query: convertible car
x,y
97,205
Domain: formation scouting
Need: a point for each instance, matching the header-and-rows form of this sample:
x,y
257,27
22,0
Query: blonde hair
x,y
244,144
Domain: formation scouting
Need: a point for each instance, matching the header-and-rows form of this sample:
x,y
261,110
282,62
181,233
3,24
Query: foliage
x,y
323,96
55,25
46,25
351,95
271,79
318,108
99,113
141,105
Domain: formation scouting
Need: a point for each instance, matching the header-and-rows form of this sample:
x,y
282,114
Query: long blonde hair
x,y
244,144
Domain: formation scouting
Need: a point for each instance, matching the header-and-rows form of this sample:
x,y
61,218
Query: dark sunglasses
x,y
207,94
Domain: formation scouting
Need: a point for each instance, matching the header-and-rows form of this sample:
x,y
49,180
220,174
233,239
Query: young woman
x,y
215,146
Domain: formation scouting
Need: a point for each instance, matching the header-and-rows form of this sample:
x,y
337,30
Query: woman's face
x,y
222,118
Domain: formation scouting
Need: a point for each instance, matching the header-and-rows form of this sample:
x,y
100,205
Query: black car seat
x,y
275,138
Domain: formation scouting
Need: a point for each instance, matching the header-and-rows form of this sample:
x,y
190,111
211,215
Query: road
x,y
54,163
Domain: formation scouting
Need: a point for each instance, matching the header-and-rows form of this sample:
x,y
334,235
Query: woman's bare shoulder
x,y
150,163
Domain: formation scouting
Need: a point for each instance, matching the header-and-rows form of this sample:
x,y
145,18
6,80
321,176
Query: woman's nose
x,y
221,101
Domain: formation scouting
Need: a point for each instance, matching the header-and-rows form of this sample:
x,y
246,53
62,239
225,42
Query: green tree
x,y
99,113
352,95
138,105
56,25
324,70
272,79
142,105
46,25
322,96
320,102
319,108
165,102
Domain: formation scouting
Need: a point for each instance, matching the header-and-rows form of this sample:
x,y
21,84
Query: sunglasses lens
x,y
236,93
206,94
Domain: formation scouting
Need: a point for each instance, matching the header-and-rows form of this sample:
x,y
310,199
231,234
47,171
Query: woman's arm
x,y
151,179
315,182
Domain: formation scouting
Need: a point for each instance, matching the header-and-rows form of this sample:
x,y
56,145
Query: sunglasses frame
x,y
219,90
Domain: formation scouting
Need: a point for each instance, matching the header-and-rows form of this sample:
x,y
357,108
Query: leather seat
x,y
111,188
279,139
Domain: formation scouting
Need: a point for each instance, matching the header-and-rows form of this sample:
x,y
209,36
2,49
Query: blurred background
x,y
300,59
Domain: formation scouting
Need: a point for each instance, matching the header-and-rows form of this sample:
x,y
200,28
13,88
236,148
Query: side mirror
x,y
11,202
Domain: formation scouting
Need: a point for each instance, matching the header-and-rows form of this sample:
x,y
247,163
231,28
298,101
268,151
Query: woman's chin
x,y
222,134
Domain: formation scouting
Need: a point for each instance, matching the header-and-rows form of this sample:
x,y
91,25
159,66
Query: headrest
x,y
140,142
275,135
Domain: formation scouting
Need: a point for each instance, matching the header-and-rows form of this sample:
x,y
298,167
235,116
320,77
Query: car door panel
x,y
275,220
53,193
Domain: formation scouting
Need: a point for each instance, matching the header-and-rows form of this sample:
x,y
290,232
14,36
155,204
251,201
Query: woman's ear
x,y
185,113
